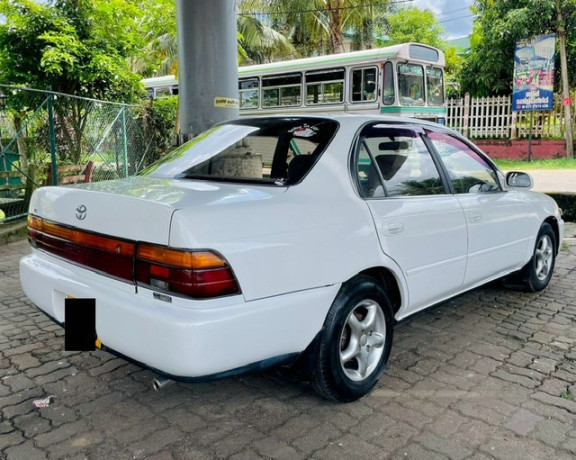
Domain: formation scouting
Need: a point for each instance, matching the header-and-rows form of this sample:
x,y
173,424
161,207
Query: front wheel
x,y
353,347
538,272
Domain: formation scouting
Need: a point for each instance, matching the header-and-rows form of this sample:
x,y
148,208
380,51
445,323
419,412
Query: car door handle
x,y
474,216
395,228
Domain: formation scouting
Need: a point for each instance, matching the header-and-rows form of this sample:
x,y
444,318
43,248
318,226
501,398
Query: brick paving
x,y
490,374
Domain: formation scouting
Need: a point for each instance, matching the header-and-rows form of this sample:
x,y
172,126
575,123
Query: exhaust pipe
x,y
160,382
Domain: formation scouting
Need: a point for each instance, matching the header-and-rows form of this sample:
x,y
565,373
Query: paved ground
x,y
491,374
554,180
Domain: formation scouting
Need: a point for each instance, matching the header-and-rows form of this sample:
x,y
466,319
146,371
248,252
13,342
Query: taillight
x,y
104,254
198,274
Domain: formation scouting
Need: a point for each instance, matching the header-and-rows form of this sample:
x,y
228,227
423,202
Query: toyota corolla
x,y
289,238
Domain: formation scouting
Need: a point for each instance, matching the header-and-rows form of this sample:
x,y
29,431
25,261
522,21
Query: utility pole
x,y
207,63
566,99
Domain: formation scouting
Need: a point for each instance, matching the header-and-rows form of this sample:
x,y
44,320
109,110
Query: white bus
x,y
406,80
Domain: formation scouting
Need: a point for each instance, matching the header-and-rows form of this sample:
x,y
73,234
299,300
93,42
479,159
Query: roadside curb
x,y
12,231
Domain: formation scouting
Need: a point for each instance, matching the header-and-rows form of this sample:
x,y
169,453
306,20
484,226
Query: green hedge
x,y
567,201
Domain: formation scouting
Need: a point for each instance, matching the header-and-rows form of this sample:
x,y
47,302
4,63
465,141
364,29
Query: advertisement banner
x,y
533,87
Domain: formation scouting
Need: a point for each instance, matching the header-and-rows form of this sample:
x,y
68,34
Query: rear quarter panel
x,y
319,233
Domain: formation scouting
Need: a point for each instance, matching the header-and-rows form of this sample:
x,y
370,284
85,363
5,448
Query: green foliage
x,y
157,27
76,47
521,165
317,26
498,26
160,118
412,25
567,202
259,43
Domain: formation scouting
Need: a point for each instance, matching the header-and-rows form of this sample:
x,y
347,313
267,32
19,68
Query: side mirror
x,y
519,179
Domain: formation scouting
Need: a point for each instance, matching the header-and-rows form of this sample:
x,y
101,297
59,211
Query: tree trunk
x,y
336,36
567,102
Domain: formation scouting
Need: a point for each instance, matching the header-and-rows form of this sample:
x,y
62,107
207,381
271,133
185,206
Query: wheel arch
x,y
553,222
386,278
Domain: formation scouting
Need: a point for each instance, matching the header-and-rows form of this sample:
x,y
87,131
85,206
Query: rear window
x,y
277,151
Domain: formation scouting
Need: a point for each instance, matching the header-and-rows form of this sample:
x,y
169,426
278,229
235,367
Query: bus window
x,y
388,95
425,53
324,86
364,84
161,92
435,86
411,84
282,90
248,89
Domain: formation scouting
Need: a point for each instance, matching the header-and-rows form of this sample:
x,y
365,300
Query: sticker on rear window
x,y
304,131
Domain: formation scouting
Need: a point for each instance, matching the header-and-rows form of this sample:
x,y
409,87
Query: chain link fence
x,y
49,138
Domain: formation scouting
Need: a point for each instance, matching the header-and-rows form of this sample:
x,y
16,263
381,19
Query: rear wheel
x,y
354,345
538,272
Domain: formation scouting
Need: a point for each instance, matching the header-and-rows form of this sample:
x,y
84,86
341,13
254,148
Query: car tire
x,y
538,271
353,347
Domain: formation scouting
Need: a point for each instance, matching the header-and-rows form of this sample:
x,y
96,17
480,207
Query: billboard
x,y
533,86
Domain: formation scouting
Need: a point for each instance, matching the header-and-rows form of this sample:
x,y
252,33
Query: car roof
x,y
360,118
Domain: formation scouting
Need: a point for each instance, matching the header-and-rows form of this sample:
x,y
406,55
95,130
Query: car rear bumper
x,y
185,338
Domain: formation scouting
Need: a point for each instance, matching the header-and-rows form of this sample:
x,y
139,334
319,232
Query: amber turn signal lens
x,y
191,260
35,222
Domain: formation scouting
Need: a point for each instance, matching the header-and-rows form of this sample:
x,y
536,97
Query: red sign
x,y
567,101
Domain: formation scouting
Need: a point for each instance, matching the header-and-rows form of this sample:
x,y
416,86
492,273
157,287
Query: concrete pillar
x,y
207,63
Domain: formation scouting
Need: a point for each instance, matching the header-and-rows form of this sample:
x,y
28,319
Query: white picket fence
x,y
492,117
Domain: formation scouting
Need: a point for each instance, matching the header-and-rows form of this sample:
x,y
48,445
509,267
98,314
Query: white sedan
x,y
289,238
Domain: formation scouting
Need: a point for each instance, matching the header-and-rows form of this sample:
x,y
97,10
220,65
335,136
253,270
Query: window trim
x,y
421,133
257,89
263,88
322,83
471,146
351,86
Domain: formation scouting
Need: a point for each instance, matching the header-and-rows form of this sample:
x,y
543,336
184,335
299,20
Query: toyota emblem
x,y
81,212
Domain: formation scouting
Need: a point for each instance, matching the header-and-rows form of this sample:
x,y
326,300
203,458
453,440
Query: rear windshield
x,y
277,151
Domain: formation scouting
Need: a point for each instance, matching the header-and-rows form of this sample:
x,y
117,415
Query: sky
x,y
453,15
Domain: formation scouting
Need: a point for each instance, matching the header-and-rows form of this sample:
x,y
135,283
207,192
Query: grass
x,y
557,163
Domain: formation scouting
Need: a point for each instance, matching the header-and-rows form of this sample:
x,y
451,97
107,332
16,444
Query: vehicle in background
x,y
405,80
281,239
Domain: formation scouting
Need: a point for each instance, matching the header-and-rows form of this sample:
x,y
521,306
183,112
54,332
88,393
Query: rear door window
x,y
395,162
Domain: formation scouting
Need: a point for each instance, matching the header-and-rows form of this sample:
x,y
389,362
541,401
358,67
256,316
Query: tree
x,y
158,29
78,47
260,43
319,25
412,25
499,25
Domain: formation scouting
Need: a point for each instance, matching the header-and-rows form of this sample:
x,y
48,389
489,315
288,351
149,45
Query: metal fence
x,y
492,117
49,138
